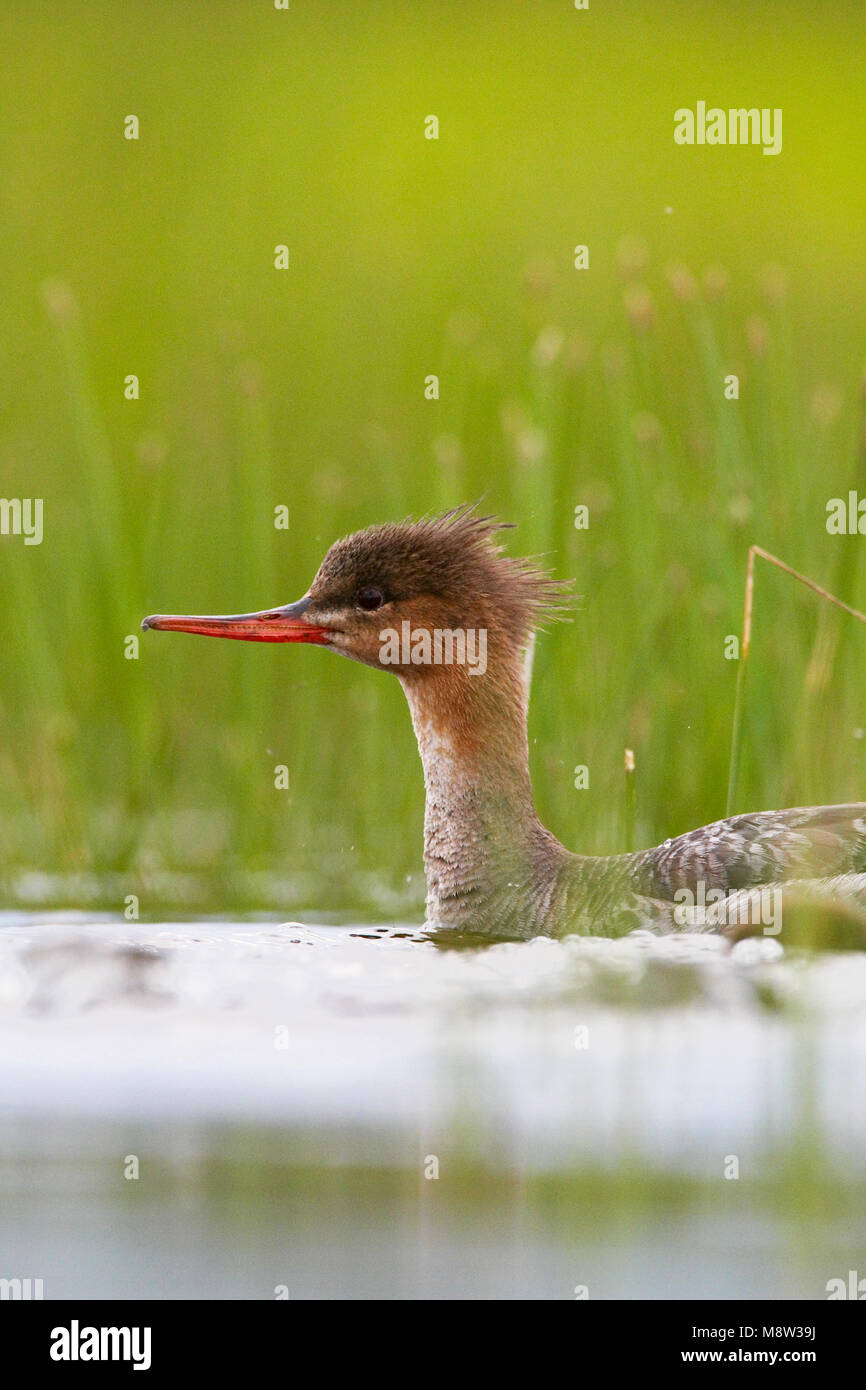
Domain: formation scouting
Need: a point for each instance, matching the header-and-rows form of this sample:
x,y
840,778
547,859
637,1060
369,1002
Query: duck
x,y
438,603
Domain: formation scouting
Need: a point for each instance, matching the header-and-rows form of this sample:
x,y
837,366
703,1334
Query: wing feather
x,y
748,851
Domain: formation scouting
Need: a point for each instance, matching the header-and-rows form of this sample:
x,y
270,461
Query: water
x,y
288,1092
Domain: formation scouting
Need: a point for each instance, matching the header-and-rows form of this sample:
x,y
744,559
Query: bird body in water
x,y
493,870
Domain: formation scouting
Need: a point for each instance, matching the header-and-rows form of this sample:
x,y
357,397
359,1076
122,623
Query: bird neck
x,y
485,852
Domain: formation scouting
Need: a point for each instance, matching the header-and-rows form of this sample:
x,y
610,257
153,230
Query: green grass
x,y
559,387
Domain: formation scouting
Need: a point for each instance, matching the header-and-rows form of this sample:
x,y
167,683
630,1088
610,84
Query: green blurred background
x,y
306,388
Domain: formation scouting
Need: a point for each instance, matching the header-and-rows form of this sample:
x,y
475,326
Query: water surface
x,y
285,1088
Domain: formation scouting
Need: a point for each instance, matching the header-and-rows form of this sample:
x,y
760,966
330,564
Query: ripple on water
x,y
662,1044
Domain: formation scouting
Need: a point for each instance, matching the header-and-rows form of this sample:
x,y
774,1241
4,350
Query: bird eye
x,y
369,599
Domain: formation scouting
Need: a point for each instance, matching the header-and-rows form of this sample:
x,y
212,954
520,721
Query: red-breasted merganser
x,y
437,603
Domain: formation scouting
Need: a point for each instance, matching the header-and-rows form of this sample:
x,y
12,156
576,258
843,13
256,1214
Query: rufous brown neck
x,y
485,850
